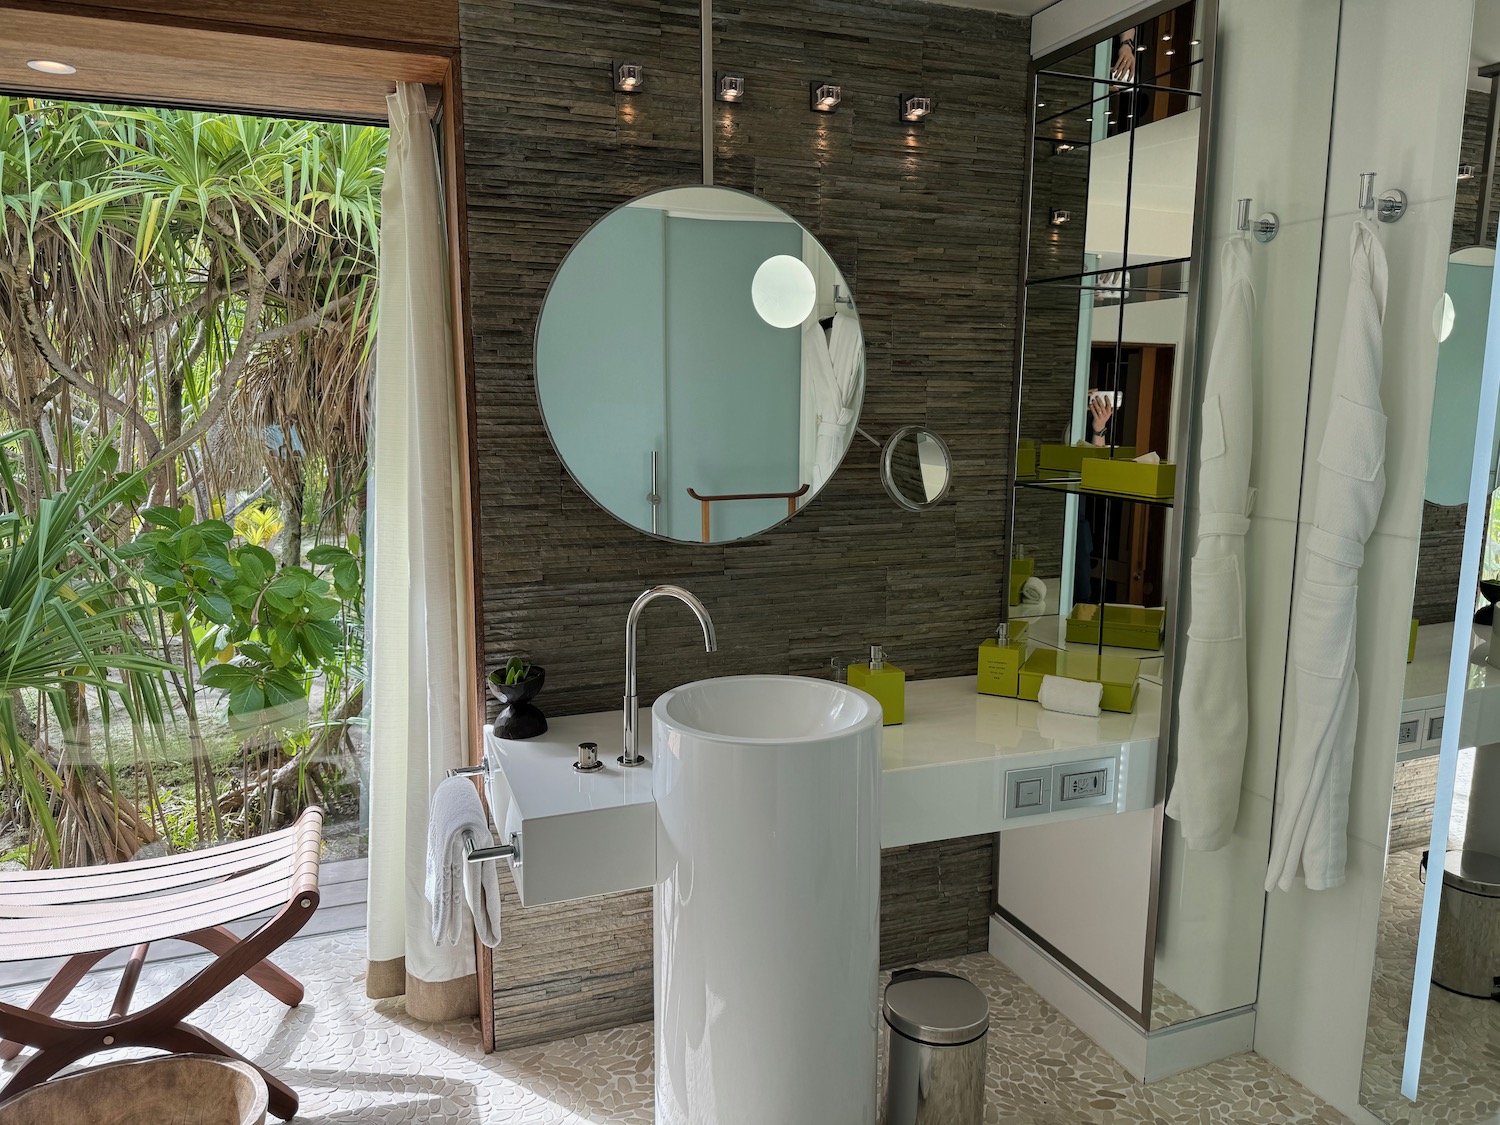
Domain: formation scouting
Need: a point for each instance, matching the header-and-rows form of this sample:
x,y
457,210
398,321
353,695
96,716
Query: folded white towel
x,y
1071,697
482,893
456,815
1149,459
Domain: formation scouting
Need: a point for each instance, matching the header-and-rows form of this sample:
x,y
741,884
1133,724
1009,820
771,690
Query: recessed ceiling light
x,y
1169,51
1194,42
1166,39
51,66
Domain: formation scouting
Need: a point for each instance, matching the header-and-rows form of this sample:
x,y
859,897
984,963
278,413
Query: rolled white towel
x,y
1033,592
457,814
1071,697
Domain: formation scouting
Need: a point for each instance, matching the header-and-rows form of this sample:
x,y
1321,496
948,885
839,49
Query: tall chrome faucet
x,y
632,755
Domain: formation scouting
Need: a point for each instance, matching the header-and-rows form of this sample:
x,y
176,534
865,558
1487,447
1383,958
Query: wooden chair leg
x,y
184,1038
56,991
128,980
47,1061
278,982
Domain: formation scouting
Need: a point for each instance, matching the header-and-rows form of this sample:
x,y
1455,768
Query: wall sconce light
x,y
824,97
915,108
1060,147
1058,217
629,77
730,88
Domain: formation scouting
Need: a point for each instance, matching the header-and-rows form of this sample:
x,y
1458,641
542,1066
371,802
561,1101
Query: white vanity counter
x,y
944,775
944,769
1426,695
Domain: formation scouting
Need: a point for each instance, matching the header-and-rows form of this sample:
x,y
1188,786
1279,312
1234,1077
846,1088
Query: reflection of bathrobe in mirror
x,y
1213,700
1312,799
834,366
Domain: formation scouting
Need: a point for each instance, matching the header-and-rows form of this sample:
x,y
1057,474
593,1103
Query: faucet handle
x,y
588,758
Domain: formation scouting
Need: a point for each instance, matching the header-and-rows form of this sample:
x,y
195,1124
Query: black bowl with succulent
x,y
514,686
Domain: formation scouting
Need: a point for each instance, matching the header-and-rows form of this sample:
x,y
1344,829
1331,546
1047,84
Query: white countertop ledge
x,y
943,776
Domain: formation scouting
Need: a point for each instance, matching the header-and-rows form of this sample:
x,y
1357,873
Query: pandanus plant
x,y
73,626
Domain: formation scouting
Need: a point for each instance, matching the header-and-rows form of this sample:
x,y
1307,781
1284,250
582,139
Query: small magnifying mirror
x,y
916,468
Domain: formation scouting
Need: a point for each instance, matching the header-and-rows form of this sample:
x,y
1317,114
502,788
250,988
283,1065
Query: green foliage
x,y
180,820
282,622
20,855
67,619
155,266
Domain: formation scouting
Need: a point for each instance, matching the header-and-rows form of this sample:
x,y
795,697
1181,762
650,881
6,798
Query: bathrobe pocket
x,y
1218,599
1325,629
1354,443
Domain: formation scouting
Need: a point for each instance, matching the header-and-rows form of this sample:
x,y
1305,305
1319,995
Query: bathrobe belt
x,y
1335,548
1222,523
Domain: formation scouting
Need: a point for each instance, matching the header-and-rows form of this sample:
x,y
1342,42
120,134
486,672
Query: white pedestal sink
x,y
768,904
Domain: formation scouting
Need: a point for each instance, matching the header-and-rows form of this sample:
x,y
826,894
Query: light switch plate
x,y
1028,792
1434,732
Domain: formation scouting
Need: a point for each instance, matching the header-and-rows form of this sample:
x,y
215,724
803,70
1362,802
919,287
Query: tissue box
x,y
1020,570
1130,478
1000,665
1025,459
1124,626
1120,675
1070,458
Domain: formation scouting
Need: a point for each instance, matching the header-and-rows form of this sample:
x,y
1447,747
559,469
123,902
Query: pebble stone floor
x,y
358,1062
1460,1083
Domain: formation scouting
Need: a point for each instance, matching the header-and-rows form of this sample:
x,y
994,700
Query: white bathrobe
x,y
1312,798
1213,700
834,364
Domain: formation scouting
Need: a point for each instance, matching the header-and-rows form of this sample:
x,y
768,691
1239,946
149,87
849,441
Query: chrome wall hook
x,y
1264,228
1388,208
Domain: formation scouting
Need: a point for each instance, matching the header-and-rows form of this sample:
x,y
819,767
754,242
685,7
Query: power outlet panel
x,y
1084,784
1409,733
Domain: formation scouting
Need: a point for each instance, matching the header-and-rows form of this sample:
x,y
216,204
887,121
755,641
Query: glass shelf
x,y
1071,486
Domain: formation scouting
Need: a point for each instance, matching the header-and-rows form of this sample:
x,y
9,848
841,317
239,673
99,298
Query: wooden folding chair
x,y
87,913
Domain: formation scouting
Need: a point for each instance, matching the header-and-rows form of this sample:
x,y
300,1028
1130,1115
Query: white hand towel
x,y
1213,699
1071,697
457,814
1033,592
482,893
1312,793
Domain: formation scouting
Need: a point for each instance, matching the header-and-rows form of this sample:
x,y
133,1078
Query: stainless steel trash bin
x,y
1466,959
934,1073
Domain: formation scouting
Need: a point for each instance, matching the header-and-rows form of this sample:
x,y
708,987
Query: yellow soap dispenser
x,y
885,682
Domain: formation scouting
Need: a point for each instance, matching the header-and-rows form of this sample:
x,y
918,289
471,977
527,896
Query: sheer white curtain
x,y
415,650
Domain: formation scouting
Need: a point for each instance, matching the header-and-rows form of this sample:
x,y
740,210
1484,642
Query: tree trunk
x,y
292,504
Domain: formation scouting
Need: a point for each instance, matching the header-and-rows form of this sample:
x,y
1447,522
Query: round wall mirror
x,y
916,468
700,364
